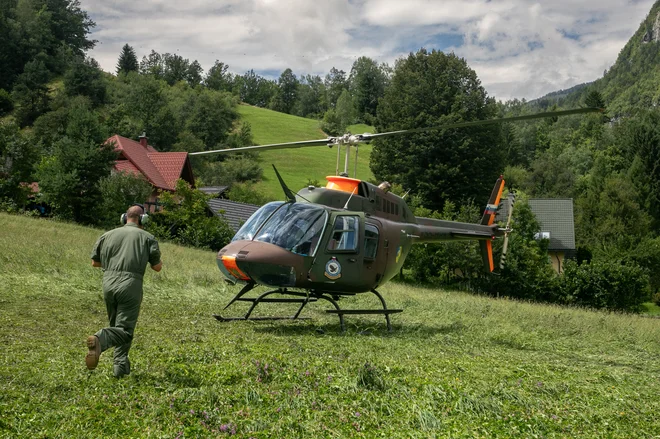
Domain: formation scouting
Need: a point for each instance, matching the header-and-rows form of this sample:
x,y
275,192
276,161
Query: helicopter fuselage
x,y
349,237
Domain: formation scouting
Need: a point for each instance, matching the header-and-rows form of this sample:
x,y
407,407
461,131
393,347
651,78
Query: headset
x,y
142,219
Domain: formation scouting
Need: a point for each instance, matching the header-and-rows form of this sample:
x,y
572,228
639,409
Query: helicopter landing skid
x,y
303,299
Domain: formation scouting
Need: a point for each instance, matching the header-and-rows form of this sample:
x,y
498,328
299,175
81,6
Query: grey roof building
x,y
234,212
556,218
216,191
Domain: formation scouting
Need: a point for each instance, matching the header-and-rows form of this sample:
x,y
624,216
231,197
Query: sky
x,y
518,48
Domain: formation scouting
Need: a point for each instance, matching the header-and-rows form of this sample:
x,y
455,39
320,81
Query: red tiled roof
x,y
162,169
170,165
126,166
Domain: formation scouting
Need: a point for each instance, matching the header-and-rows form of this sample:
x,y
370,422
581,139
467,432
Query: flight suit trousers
x,y
122,292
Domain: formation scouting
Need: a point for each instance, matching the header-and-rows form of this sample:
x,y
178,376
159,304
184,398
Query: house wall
x,y
557,260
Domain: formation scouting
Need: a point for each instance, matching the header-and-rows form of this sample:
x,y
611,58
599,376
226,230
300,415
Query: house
x,y
233,212
161,169
555,216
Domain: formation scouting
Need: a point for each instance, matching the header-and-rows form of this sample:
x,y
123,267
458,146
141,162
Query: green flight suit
x,y
124,254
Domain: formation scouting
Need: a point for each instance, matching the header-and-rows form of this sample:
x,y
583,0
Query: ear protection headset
x,y
142,220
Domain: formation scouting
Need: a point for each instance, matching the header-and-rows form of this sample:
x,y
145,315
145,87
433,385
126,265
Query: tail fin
x,y
493,203
487,220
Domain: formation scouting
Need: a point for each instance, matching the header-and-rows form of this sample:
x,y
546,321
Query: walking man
x,y
123,254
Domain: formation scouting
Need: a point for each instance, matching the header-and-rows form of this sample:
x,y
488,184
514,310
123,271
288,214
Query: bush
x,y
656,299
605,284
119,191
185,219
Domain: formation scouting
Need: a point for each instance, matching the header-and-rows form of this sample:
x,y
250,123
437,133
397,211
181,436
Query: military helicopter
x,y
346,238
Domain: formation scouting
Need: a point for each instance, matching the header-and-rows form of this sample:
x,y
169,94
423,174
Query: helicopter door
x,y
375,257
339,262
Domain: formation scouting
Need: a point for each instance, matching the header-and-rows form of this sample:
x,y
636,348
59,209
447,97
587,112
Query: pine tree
x,y
127,60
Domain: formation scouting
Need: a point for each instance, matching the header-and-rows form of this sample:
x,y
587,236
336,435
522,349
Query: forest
x,y
57,108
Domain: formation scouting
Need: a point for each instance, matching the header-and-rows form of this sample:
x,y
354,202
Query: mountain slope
x,y
633,82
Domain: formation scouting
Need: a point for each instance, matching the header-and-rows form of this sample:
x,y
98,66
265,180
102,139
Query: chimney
x,y
143,139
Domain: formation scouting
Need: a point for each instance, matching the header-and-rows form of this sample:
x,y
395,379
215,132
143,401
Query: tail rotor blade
x,y
505,247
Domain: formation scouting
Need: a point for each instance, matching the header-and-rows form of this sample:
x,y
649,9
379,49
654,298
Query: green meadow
x,y
298,166
455,365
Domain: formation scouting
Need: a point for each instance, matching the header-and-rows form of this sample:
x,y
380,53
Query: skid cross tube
x,y
303,298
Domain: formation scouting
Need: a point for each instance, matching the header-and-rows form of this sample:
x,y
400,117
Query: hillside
x,y
634,80
297,166
456,365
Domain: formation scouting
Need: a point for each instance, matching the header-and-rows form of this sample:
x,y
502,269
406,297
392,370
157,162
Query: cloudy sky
x,y
519,48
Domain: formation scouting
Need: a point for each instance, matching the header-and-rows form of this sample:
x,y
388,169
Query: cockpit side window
x,y
258,218
370,241
345,234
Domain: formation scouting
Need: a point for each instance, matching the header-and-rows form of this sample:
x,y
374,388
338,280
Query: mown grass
x,y
300,165
456,365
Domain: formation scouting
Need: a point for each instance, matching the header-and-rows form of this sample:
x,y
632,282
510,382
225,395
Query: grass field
x,y
455,365
297,166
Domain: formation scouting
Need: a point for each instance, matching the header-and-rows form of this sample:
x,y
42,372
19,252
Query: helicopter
x,y
347,238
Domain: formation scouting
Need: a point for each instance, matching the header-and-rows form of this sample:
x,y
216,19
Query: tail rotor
x,y
512,199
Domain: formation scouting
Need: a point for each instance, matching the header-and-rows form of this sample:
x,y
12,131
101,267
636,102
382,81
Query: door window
x,y
370,241
345,234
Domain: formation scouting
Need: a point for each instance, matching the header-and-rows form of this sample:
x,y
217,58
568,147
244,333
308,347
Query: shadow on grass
x,y
356,327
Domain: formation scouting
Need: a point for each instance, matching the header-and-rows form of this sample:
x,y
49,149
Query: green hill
x,y
300,165
456,365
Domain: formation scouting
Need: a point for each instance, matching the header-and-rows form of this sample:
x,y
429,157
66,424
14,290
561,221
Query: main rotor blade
x,y
300,144
359,138
368,137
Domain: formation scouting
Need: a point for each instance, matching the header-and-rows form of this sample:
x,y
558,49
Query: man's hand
x,y
157,267
96,264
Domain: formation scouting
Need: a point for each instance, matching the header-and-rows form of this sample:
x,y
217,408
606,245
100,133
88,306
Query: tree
x,y
18,156
335,83
367,83
429,89
86,79
127,60
30,92
211,116
594,99
69,179
218,78
287,92
194,74
311,97
152,65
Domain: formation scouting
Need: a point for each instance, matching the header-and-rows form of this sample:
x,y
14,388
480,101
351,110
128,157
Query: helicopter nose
x,y
260,262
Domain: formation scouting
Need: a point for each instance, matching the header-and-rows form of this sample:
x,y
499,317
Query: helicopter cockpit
x,y
296,227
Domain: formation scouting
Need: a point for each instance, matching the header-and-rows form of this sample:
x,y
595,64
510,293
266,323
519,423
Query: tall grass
x,y
456,365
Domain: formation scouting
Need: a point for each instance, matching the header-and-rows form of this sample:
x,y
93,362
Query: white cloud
x,y
519,48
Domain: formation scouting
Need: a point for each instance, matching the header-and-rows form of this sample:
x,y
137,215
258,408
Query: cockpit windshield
x,y
252,225
295,227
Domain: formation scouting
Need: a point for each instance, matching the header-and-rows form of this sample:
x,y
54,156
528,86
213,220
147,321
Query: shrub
x,y
185,219
656,299
119,191
605,284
